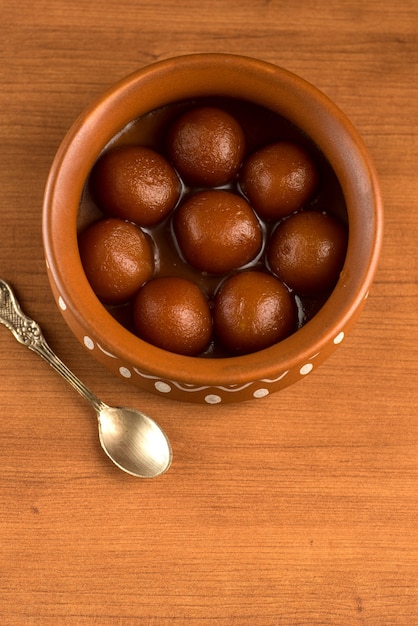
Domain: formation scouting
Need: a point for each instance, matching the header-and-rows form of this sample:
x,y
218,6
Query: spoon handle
x,y
28,332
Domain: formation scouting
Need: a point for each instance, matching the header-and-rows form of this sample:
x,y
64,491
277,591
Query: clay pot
x,y
196,379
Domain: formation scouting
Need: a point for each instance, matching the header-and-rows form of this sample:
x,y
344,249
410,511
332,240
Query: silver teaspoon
x,y
131,439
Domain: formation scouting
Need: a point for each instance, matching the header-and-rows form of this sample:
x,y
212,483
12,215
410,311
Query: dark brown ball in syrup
x,y
172,313
117,258
279,179
206,145
252,311
217,231
136,184
307,252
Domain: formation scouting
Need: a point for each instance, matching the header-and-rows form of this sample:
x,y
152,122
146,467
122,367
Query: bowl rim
x,y
213,71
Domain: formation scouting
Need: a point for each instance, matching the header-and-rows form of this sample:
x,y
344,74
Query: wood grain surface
x,y
298,509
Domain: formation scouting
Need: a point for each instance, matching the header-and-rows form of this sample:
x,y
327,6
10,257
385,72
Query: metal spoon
x,y
131,439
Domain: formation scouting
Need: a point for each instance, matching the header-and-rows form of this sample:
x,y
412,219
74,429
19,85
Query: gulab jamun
x,y
136,184
173,313
117,258
252,311
307,251
206,146
279,179
217,231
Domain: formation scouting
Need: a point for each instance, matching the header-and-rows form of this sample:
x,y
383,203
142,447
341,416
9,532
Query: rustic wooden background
x,y
300,509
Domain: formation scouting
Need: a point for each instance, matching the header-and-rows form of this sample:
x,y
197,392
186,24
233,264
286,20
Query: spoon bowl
x,y
132,441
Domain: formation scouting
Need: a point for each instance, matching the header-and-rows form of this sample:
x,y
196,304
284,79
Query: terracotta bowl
x,y
196,379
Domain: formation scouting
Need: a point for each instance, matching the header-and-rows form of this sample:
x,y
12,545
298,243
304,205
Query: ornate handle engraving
x,y
24,329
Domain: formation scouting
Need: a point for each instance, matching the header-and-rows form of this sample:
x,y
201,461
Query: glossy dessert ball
x,y
307,252
172,313
253,310
217,231
278,179
206,146
117,259
136,184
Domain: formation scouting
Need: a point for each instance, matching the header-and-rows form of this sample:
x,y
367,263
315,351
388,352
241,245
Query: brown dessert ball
x,y
217,231
136,184
278,179
173,313
206,146
307,252
253,310
117,259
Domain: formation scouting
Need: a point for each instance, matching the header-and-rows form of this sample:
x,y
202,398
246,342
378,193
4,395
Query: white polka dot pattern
x,y
216,393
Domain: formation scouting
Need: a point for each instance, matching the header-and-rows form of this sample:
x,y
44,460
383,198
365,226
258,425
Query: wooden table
x,y
299,509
